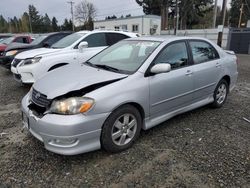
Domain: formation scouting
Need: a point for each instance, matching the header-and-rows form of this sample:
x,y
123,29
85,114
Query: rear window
x,y
203,52
113,38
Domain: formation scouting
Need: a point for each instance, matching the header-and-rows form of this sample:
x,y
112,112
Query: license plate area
x,y
25,121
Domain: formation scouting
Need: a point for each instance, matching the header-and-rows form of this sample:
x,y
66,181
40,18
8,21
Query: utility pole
x,y
220,34
215,13
72,14
30,24
241,12
9,25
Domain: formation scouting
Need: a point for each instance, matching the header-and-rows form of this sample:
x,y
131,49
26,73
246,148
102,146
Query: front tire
x,y
121,129
220,94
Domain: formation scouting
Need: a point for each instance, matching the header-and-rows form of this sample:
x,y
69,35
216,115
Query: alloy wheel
x,y
124,129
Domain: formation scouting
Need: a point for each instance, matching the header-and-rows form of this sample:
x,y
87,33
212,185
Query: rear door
x,y
173,90
206,67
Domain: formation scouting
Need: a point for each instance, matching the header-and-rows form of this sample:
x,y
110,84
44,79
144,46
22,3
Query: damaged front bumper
x,y
65,134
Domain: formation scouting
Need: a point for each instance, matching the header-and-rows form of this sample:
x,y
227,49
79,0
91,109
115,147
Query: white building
x,y
144,25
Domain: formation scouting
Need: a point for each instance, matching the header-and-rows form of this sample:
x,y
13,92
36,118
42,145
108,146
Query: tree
x,y
54,24
35,18
235,12
192,12
157,7
85,12
25,22
67,25
46,24
3,25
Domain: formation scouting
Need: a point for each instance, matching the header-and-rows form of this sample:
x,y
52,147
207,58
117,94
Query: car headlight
x,y
11,53
73,105
31,61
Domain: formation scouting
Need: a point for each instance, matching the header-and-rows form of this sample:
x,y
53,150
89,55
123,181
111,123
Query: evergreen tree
x,y
47,27
35,18
67,25
3,25
25,23
190,11
54,24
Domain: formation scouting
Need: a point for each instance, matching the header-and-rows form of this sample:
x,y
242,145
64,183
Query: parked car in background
x,y
78,47
135,84
17,39
45,40
4,36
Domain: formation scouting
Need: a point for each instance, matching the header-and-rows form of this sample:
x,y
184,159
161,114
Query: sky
x,y
61,9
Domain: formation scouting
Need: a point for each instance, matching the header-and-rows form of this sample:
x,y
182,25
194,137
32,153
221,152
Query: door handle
x,y
189,72
218,65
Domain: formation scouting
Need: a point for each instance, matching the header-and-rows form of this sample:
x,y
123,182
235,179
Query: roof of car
x,y
131,34
162,38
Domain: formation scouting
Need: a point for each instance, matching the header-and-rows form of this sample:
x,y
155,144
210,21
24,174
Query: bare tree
x,y
85,12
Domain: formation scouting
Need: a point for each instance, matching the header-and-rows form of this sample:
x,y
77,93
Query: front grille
x,y
16,62
1,53
17,77
40,99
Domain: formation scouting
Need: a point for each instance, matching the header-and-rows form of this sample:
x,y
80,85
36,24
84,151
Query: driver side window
x,y
175,54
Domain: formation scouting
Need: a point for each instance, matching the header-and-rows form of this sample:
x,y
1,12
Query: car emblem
x,y
38,95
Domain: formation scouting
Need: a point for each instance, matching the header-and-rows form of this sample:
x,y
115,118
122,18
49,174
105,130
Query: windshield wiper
x,y
106,67
89,64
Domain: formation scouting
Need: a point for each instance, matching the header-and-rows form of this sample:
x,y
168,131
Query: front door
x,y
173,90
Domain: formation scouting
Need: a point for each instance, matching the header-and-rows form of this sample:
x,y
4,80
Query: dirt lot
x,y
203,148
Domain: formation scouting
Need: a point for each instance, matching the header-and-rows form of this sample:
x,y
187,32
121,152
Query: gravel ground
x,y
203,148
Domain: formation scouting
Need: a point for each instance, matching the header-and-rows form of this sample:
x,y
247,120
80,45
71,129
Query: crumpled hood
x,y
36,52
16,46
72,77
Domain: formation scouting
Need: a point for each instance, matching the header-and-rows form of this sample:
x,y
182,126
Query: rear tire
x,y
121,129
220,94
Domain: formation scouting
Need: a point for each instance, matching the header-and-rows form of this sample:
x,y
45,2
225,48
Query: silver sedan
x,y
135,84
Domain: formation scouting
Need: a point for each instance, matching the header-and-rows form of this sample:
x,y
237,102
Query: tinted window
x,y
203,52
53,39
20,40
174,54
96,40
113,38
38,40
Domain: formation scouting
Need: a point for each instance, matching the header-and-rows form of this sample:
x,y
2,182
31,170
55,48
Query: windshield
x,y
124,56
38,40
8,40
67,41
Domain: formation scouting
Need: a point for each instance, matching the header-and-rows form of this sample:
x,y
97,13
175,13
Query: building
x,y
144,25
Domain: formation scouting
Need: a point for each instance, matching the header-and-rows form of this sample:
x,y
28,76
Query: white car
x,y
78,47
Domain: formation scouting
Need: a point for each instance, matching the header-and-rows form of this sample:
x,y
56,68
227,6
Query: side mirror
x,y
83,45
160,68
46,45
